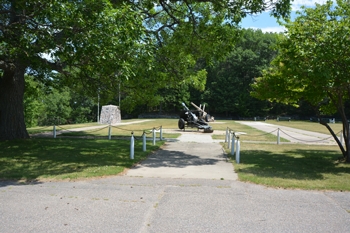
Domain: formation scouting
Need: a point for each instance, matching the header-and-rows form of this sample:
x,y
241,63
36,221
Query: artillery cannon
x,y
202,114
190,119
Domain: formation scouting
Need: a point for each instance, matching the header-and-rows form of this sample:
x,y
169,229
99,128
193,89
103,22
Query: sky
x,y
267,23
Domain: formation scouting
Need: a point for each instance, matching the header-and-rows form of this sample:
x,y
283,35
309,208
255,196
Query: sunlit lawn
x,y
307,125
293,166
285,165
65,158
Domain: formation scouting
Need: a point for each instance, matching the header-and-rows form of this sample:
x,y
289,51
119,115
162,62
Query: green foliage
x,y
227,89
33,105
313,63
142,46
57,109
81,108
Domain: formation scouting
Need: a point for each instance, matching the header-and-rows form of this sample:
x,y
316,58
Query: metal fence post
x,y
144,141
341,137
229,140
278,136
233,144
238,150
154,136
132,146
226,134
109,132
161,133
54,131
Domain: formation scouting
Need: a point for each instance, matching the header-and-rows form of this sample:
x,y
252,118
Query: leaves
x,y
313,62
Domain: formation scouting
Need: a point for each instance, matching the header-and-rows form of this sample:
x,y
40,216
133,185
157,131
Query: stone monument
x,y
110,114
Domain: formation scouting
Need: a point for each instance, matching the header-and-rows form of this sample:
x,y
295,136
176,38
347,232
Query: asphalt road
x,y
148,199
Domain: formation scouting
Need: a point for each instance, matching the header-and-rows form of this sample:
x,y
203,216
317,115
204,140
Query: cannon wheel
x,y
207,118
181,123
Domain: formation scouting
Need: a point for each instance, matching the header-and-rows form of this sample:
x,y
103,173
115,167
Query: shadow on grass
x,y
292,164
28,160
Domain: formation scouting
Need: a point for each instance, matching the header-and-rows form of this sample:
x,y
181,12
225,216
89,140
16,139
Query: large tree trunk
x,y
12,124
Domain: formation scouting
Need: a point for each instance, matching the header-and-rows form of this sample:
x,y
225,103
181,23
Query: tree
x,y
228,83
313,64
105,43
33,104
57,107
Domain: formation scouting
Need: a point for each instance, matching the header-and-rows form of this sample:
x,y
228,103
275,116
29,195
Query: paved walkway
x,y
292,134
193,155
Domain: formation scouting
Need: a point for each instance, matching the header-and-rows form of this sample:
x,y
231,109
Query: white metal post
x,y
278,136
226,136
154,136
161,133
233,144
229,140
144,141
54,131
341,137
132,146
238,151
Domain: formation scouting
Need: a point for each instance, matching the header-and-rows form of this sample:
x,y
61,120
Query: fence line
x,y
259,135
144,131
324,139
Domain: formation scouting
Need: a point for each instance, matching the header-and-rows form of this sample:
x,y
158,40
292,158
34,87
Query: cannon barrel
x,y
204,114
198,108
184,105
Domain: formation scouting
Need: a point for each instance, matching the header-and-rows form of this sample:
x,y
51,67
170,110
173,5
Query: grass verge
x,y
310,167
58,159
287,165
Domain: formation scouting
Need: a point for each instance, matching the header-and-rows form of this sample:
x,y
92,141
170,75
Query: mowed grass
x,y
308,125
137,128
245,132
49,128
285,165
65,158
310,167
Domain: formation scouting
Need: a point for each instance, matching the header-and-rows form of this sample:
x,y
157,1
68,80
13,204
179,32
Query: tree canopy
x,y
140,45
228,84
313,63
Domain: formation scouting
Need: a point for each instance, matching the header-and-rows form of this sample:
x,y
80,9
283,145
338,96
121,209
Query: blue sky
x,y
267,23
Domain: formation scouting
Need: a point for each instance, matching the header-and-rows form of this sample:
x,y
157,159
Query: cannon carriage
x,y
195,119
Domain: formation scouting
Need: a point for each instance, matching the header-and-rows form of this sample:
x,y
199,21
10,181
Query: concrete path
x,y
186,160
192,155
292,134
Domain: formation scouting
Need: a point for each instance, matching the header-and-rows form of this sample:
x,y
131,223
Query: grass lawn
x,y
252,134
307,125
49,128
293,166
66,158
285,165
125,130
